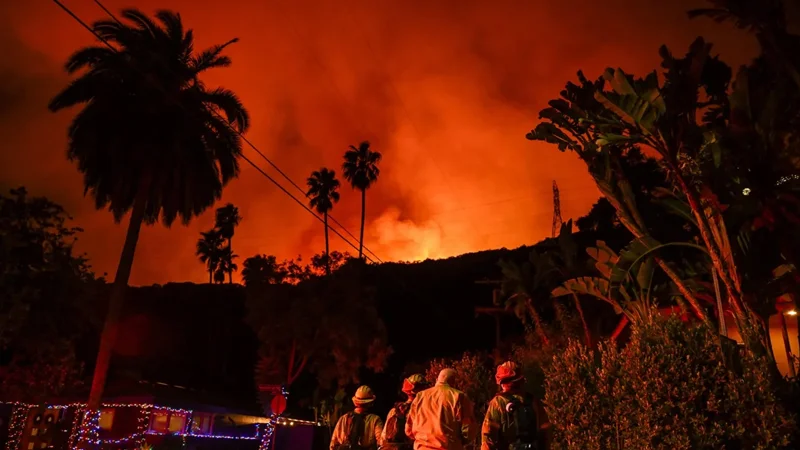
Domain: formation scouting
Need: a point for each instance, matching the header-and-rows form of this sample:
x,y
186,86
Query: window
x,y
201,423
159,421
164,421
177,423
106,419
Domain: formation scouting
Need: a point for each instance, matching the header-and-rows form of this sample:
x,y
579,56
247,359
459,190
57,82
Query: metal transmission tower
x,y
557,221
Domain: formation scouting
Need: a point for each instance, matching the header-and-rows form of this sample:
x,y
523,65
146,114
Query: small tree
x,y
44,293
327,325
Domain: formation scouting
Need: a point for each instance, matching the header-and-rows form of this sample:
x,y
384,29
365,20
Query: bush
x,y
668,388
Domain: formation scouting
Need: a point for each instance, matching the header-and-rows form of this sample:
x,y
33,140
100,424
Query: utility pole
x,y
494,311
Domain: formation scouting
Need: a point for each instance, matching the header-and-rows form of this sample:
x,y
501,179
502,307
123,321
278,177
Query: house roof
x,y
163,394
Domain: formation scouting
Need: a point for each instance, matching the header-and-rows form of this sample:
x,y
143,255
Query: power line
x,y
269,161
336,88
108,44
400,282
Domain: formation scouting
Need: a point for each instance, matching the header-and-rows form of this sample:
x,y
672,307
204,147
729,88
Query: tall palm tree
x,y
150,138
323,192
208,251
361,170
227,219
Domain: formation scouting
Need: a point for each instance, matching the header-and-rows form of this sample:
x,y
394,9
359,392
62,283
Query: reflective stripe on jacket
x,y
373,427
441,418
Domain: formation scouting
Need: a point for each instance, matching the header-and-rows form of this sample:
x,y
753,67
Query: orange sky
x,y
446,90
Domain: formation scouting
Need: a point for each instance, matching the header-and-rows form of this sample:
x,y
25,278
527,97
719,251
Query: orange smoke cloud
x,y
446,91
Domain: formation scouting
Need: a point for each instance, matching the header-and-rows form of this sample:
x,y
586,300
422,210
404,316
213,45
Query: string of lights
x,y
15,426
244,157
333,84
85,427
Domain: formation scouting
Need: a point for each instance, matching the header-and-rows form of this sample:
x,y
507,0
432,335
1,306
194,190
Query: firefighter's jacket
x,y
441,418
499,427
373,427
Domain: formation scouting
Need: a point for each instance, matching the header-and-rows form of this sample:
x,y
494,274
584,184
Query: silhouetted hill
x,y
194,335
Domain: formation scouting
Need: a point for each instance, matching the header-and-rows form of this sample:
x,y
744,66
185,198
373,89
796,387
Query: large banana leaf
x,y
605,258
674,205
639,104
592,286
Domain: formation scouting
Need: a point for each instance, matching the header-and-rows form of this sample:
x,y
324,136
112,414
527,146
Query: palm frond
x,y
230,104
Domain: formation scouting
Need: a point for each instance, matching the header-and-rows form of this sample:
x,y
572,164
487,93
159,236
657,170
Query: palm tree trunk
x,y
583,320
230,267
210,276
363,216
327,252
111,327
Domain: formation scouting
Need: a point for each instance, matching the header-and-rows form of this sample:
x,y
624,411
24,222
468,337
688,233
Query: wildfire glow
x,y
446,95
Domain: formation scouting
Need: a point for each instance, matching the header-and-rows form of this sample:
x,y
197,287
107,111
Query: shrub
x,y
668,388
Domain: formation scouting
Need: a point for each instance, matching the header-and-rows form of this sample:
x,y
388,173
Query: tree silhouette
x,y
227,219
525,283
323,192
567,264
226,266
361,170
208,251
148,139
262,269
45,306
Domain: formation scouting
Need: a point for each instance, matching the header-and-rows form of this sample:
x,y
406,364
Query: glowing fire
x,y
405,240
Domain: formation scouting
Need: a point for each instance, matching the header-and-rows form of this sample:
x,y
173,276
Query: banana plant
x,y
583,121
655,117
639,112
566,263
524,283
635,297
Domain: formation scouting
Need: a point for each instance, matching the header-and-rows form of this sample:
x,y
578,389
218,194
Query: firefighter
x,y
358,430
512,418
442,417
394,434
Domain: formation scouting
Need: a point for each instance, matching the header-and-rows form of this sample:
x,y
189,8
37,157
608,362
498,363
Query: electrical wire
x,y
269,161
271,179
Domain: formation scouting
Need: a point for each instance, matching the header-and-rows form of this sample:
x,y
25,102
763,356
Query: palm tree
x,y
323,192
226,265
227,219
150,138
208,251
361,170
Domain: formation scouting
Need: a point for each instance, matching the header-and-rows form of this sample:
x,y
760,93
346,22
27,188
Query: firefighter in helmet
x,y
358,430
512,420
394,434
